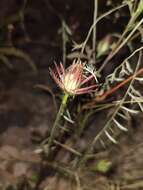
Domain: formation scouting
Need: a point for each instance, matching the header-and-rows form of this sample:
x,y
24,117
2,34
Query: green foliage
x,y
103,47
102,166
34,178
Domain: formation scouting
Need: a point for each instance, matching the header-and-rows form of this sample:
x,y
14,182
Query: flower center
x,y
70,83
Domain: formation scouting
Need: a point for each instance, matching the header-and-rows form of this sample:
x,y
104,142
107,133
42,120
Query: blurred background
x,y
32,35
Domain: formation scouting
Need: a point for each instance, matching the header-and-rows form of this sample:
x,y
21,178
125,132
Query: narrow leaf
x,y
68,119
141,106
122,116
128,66
139,79
130,110
110,137
119,125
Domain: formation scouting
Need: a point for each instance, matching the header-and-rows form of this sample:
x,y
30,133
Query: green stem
x,y
55,125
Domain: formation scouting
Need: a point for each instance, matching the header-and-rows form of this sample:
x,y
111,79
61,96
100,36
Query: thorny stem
x,y
55,125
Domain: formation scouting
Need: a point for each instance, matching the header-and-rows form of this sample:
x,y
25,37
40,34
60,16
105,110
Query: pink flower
x,y
71,79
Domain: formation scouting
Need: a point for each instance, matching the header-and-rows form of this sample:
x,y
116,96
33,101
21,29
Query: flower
x,y
71,79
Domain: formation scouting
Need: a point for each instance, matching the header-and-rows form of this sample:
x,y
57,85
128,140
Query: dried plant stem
x,y
57,120
130,23
22,19
97,20
64,43
90,146
116,50
94,29
112,90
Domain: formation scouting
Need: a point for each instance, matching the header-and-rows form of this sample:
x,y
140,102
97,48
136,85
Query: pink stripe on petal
x,y
53,75
86,89
62,68
56,79
87,79
84,92
58,70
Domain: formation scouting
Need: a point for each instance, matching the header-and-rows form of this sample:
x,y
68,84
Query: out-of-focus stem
x,y
64,43
57,120
115,51
94,29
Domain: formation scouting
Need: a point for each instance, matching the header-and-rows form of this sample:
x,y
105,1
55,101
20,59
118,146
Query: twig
x,y
94,30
